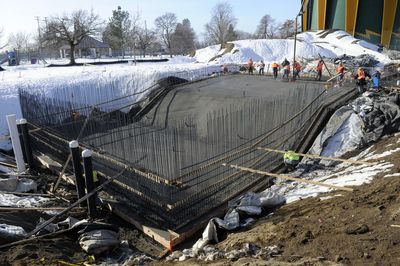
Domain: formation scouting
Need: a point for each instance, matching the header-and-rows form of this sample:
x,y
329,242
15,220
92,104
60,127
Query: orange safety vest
x,y
274,65
319,66
297,66
361,74
340,70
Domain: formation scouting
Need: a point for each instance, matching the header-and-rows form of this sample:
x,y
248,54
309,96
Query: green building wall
x,y
335,14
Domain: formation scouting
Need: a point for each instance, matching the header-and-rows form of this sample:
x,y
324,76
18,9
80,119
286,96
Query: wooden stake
x,y
2,209
287,177
8,164
319,157
76,203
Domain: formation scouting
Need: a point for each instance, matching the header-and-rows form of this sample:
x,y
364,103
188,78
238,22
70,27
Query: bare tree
x,y
266,28
71,29
132,36
166,25
19,40
242,35
222,19
287,29
1,35
145,38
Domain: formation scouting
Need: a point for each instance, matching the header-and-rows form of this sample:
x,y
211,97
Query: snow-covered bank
x,y
309,45
87,84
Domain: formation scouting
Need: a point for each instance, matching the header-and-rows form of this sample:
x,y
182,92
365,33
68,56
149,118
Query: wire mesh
x,y
175,168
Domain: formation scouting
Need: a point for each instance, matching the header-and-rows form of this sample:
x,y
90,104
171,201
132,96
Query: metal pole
x,y
294,52
19,127
91,201
27,143
19,158
76,162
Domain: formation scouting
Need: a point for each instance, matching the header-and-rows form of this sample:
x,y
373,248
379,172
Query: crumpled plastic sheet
x,y
367,119
250,203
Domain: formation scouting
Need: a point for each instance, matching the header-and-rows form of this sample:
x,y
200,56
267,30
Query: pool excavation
x,y
170,145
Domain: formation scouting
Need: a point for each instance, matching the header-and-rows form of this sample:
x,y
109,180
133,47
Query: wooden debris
x,y
288,177
320,157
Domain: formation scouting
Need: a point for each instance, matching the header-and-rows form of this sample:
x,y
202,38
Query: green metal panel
x,y
395,40
314,16
369,20
335,14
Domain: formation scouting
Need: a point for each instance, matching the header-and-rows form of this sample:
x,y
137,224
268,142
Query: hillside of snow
x,y
308,46
87,85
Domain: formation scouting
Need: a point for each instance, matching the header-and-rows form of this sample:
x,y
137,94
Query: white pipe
x,y
12,126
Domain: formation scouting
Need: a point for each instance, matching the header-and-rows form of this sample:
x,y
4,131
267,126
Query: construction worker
x,y
275,67
360,79
250,66
376,78
286,71
297,69
340,73
320,65
291,159
261,65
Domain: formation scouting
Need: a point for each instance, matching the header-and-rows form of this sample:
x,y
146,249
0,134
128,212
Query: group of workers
x,y
360,75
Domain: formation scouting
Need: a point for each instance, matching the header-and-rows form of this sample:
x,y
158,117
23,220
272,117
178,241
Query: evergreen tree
x,y
118,31
183,38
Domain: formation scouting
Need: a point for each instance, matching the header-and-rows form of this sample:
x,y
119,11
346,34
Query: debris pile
x,y
363,122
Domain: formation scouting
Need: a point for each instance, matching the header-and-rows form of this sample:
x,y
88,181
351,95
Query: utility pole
x,y
294,52
39,37
295,38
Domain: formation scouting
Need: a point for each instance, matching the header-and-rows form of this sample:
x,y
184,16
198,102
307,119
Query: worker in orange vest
x,y
360,79
297,69
340,73
320,65
275,67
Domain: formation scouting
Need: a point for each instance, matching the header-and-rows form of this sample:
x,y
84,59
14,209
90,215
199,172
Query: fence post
x,y
12,126
19,127
76,162
26,143
88,166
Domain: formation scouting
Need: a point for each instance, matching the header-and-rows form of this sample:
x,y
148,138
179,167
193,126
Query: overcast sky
x,y
19,15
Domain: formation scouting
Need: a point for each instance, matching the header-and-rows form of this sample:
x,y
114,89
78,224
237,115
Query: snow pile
x,y
309,45
88,84
342,175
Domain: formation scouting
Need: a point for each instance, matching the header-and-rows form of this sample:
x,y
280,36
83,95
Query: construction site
x,y
172,142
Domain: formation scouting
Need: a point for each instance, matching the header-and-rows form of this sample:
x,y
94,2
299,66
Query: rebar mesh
x,y
175,162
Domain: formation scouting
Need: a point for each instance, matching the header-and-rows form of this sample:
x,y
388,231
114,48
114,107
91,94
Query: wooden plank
x,y
287,177
319,157
159,235
21,209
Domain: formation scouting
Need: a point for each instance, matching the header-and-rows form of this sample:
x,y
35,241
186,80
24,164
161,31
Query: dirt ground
x,y
352,228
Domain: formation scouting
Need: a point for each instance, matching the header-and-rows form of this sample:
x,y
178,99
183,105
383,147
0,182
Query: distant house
x,y
88,47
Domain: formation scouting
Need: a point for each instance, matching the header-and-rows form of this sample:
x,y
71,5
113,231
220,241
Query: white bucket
x,y
398,83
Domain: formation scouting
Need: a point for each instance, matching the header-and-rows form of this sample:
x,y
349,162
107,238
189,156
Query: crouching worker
x,y
291,160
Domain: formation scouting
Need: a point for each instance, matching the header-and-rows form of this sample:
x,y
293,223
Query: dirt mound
x,y
354,228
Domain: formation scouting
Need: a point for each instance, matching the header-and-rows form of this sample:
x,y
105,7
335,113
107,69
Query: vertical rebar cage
x,y
174,138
